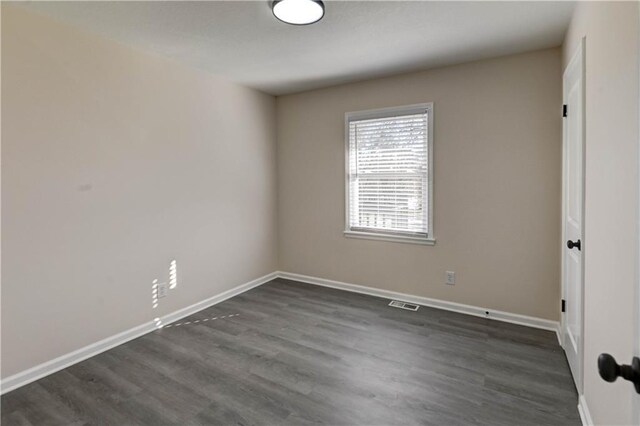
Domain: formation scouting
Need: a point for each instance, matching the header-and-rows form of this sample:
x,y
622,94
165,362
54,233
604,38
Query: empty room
x,y
300,212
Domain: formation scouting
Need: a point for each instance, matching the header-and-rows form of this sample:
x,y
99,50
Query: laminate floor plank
x,y
289,353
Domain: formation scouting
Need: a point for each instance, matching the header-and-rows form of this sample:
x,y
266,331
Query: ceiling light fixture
x,y
298,12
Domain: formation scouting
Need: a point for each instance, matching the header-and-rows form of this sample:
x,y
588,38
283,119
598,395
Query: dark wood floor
x,y
298,354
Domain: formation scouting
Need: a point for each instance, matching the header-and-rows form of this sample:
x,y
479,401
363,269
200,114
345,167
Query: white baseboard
x,y
425,301
64,361
559,334
585,415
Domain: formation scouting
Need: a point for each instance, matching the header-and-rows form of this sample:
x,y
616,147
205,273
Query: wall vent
x,y
404,305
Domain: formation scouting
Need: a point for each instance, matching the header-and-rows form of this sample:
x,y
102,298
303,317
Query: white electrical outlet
x,y
162,290
451,278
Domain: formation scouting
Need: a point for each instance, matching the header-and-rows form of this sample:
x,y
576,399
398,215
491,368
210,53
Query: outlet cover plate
x,y
450,278
163,288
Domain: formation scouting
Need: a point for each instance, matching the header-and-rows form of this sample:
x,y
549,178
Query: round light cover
x,y
298,12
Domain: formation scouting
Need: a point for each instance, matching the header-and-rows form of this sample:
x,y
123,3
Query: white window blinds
x,y
388,174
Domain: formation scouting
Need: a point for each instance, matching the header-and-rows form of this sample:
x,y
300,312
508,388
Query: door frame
x,y
579,54
635,403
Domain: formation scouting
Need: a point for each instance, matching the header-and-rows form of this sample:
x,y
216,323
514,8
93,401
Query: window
x,y
390,174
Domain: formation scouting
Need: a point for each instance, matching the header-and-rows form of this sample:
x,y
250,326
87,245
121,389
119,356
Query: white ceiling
x,y
243,42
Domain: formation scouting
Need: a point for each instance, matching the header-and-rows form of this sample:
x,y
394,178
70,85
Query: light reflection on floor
x,y
196,321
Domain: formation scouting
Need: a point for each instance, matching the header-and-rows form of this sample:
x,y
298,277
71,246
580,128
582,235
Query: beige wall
x,y
114,163
611,199
497,164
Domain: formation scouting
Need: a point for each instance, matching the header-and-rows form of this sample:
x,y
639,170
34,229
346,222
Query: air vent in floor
x,y
404,305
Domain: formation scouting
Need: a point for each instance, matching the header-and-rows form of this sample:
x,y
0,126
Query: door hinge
x,y
564,305
564,110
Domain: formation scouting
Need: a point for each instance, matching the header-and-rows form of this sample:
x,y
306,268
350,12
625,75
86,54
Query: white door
x,y
573,213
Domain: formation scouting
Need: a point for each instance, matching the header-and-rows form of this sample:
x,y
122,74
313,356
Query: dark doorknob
x,y
572,244
610,370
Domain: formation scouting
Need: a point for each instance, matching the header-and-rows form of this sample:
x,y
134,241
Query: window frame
x,y
390,112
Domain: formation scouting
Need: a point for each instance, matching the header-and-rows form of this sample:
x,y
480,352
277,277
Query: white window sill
x,y
393,238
